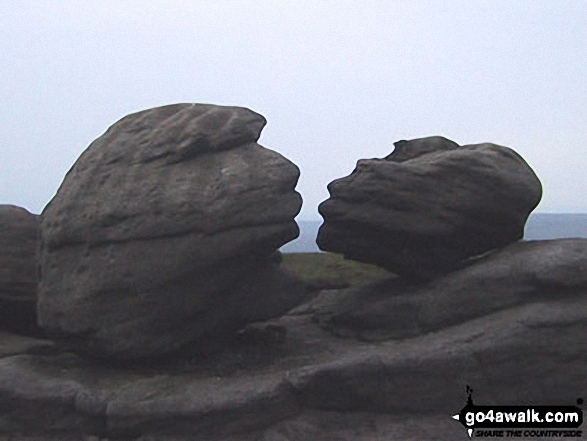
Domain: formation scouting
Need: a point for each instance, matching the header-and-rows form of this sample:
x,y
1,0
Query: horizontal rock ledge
x,y
510,356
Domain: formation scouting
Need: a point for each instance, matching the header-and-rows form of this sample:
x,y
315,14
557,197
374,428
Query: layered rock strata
x,y
429,206
162,232
524,272
527,345
19,240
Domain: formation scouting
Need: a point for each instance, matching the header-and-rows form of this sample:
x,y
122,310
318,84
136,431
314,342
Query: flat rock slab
x,y
312,386
527,271
14,344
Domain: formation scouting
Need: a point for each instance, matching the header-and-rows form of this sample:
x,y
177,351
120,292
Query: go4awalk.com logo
x,y
520,421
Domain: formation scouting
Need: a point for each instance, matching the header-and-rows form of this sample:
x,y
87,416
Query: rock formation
x,y
429,206
163,237
161,234
524,272
517,337
19,239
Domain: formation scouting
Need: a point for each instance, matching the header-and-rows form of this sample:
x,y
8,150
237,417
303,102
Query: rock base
x,y
313,385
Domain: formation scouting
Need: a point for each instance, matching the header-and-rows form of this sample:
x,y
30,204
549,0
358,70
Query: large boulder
x,y
162,232
429,206
19,240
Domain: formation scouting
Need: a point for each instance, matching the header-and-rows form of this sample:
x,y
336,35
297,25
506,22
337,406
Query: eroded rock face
x,y
161,227
524,272
515,319
314,385
429,206
19,239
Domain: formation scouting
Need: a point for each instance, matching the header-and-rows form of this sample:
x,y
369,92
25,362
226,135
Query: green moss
x,y
325,268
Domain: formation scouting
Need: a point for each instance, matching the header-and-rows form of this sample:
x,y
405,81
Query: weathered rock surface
x,y
161,234
526,346
429,206
15,344
19,240
313,386
527,271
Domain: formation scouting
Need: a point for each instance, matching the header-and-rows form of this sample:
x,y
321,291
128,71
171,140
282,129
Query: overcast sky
x,y
337,80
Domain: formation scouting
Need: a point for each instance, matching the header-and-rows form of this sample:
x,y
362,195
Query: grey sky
x,y
337,80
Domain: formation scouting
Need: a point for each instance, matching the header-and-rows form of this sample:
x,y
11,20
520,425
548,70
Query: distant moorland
x,y
539,226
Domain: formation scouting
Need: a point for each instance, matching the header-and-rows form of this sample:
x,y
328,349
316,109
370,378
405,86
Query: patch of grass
x,y
331,270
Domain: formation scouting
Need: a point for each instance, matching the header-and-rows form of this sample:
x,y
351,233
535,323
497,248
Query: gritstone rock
x,y
524,272
19,239
513,327
161,234
429,206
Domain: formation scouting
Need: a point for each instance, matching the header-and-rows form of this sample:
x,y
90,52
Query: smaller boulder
x,y
429,206
19,238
